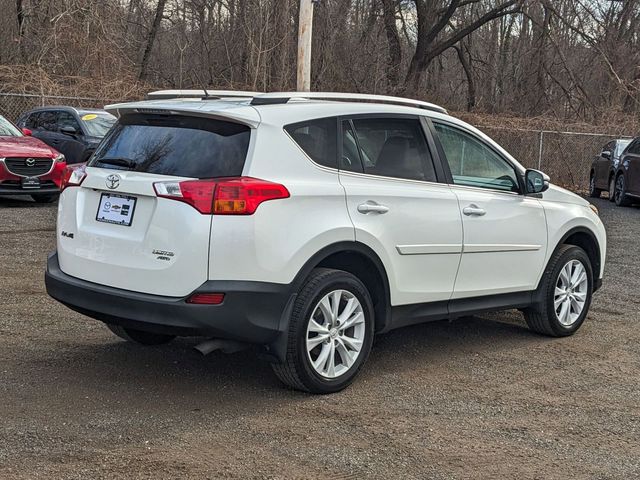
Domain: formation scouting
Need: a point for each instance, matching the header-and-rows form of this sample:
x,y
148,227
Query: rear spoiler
x,y
242,114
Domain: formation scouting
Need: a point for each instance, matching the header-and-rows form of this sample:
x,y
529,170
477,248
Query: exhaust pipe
x,y
226,346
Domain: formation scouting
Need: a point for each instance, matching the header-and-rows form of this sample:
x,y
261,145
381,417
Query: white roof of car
x,y
283,108
253,108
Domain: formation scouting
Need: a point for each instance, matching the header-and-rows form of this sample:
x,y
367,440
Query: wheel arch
x,y
361,261
584,238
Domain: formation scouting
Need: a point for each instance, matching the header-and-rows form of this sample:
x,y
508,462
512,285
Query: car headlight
x,y
594,209
59,158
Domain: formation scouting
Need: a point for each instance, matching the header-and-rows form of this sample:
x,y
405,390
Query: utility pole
x,y
305,23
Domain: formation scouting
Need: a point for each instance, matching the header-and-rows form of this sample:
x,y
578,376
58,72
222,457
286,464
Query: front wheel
x,y
330,333
566,289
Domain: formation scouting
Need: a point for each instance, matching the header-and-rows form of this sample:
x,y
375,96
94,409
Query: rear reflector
x,y
206,298
223,196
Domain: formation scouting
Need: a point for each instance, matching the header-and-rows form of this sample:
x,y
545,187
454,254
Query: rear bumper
x,y
251,311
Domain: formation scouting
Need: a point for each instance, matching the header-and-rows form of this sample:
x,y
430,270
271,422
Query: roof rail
x,y
212,94
283,97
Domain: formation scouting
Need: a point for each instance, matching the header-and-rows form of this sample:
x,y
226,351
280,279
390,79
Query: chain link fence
x,y
565,156
12,105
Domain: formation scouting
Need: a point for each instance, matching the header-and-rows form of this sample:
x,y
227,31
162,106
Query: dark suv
x,y
626,182
75,132
605,166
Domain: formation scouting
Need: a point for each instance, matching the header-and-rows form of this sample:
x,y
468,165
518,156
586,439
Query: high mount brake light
x,y
73,176
224,196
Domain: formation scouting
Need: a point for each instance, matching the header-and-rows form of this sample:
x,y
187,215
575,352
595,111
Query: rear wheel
x,y
140,336
45,197
566,288
330,333
620,192
593,191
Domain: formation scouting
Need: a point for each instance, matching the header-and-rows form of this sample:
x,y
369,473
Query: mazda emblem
x,y
113,181
30,162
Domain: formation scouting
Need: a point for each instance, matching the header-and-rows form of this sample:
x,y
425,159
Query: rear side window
x,y
175,145
318,139
394,147
47,121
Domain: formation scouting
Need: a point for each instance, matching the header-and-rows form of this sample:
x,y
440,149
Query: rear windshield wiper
x,y
117,161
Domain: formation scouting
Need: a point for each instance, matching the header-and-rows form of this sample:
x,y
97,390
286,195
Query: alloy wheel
x,y
571,292
335,333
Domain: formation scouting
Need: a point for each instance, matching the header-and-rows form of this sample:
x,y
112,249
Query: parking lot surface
x,y
474,398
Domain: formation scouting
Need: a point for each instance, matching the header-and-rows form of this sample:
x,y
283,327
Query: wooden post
x,y
305,23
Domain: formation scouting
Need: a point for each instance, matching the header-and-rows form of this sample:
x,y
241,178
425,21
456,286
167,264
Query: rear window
x,y
174,145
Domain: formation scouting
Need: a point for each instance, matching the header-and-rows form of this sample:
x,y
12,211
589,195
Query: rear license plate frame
x,y
106,214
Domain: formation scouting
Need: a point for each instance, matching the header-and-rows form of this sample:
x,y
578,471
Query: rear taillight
x,y
73,176
225,196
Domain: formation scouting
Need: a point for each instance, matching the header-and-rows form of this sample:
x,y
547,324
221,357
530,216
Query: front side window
x,y
634,148
65,119
318,139
394,147
473,163
174,145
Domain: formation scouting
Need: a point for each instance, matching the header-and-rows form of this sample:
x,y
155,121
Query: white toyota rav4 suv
x,y
306,224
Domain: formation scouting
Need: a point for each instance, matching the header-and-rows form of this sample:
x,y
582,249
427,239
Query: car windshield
x,y
622,144
7,129
97,124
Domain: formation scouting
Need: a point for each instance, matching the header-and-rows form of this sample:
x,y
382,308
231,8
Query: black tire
x,y
620,191
612,188
593,191
542,317
297,371
140,336
45,197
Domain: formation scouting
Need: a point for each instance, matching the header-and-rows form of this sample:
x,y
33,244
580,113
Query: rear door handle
x,y
372,208
473,210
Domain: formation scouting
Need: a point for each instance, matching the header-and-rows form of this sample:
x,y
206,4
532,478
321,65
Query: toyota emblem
x,y
30,162
113,181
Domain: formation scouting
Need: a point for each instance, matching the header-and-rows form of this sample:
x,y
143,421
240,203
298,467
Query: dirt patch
x,y
475,398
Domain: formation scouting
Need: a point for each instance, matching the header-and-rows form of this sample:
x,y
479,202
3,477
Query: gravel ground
x,y
474,398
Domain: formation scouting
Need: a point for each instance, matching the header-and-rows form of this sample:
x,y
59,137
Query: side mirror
x,y
68,130
606,154
536,181
26,132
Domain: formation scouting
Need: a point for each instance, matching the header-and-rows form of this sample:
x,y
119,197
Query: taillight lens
x,y
73,176
224,196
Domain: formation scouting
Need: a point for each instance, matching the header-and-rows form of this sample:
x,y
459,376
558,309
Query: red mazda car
x,y
28,166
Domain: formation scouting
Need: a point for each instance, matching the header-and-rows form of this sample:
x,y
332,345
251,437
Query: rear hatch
x,y
116,229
